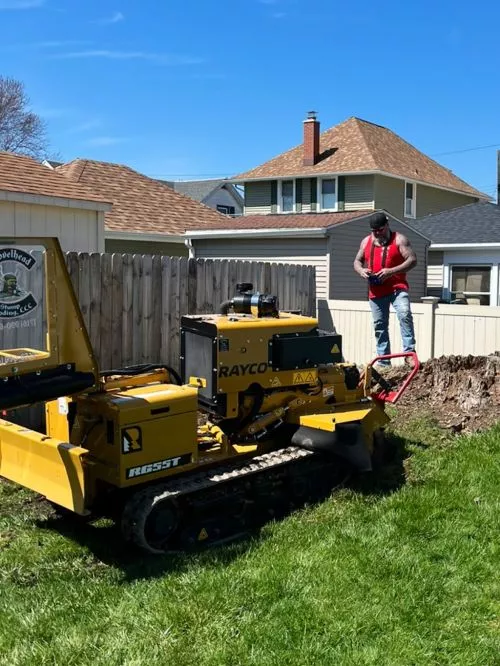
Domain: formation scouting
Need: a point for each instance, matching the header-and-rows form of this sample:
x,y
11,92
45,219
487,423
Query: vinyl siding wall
x,y
223,197
359,192
435,276
306,251
145,247
389,194
76,229
343,244
432,200
258,197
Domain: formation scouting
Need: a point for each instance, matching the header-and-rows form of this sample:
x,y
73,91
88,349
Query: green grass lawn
x,y
405,571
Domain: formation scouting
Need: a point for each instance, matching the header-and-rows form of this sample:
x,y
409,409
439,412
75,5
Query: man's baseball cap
x,y
378,220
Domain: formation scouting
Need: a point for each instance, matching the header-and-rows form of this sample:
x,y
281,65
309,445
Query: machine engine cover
x,y
292,351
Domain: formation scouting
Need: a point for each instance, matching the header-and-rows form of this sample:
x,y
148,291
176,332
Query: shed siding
x,y
432,200
77,229
344,242
389,194
145,247
258,197
306,251
358,193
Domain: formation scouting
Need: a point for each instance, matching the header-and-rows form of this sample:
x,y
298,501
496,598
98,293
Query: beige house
x,y
309,204
355,165
35,201
147,216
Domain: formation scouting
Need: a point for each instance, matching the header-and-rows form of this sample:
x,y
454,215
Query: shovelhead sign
x,y
16,300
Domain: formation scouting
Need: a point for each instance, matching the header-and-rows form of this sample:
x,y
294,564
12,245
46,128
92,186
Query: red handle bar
x,y
393,396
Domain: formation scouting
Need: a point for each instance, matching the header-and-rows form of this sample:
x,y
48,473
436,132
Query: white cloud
x,y
105,141
54,113
20,4
58,44
160,58
86,126
116,18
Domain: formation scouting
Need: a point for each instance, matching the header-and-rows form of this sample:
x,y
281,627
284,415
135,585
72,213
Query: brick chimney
x,y
311,139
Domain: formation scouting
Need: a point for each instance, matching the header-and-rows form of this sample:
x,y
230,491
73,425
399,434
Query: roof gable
x,y
359,146
140,203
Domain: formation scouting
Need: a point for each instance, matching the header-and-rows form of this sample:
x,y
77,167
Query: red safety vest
x,y
384,256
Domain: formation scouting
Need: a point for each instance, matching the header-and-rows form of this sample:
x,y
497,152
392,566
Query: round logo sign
x,y
15,298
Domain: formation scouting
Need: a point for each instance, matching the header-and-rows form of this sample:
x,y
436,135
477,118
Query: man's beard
x,y
383,241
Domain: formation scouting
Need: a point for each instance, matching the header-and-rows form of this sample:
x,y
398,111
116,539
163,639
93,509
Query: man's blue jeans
x,y
380,312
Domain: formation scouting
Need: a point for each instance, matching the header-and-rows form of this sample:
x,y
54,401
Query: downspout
x,y
191,251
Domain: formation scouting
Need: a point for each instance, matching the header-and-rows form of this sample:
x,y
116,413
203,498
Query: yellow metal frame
x,y
44,464
67,338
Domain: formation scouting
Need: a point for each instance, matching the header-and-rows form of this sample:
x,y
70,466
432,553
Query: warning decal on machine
x,y
305,377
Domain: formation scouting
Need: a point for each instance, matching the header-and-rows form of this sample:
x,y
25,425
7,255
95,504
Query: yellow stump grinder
x,y
264,415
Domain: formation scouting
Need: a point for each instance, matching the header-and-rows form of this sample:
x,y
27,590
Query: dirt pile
x,y
461,392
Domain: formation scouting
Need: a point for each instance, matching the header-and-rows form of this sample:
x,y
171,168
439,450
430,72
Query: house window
x,y
287,196
410,199
471,283
227,210
327,193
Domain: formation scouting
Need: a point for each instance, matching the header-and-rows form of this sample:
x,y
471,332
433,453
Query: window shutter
x,y
298,195
341,193
314,194
274,196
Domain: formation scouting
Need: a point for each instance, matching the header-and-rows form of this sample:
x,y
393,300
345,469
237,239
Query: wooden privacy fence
x,y
132,304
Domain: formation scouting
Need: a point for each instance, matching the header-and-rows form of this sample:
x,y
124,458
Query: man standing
x,y
383,259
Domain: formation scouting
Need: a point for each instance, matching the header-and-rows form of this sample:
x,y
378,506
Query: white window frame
x,y
463,258
280,196
414,200
473,264
319,194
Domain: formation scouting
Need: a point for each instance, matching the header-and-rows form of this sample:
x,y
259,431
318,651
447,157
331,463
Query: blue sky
x,y
204,88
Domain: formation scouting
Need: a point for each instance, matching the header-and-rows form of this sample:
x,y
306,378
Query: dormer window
x,y
327,193
287,196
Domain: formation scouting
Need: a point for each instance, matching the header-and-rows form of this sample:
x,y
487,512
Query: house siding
x,y
119,246
223,197
77,229
433,200
258,197
389,195
435,273
358,193
343,243
306,251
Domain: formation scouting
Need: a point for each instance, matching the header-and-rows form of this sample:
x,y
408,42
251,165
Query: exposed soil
x,y
461,392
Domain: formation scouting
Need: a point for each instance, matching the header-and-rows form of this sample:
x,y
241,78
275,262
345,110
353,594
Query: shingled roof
x,y
357,146
25,175
283,221
470,224
140,204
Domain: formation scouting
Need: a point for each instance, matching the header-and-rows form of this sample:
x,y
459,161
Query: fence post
x,y
427,342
